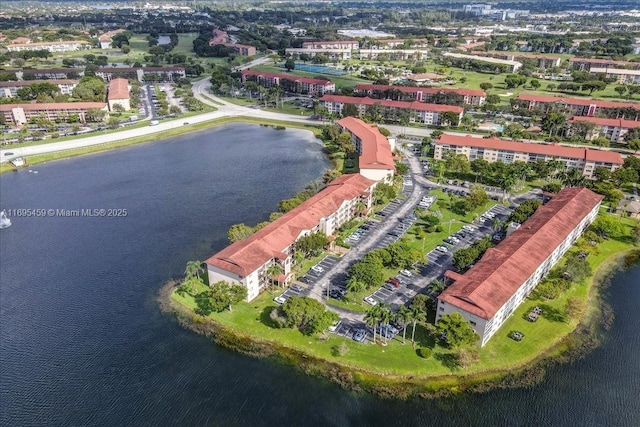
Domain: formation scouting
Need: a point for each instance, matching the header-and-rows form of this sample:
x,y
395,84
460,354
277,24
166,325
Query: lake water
x,y
82,341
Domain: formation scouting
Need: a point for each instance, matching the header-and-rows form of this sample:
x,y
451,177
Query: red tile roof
x,y
430,90
55,106
290,77
118,89
413,105
247,255
553,150
603,61
376,151
576,101
621,123
502,270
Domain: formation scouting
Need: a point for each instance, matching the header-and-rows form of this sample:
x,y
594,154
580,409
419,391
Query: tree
x,y
354,285
288,204
594,85
436,287
403,316
369,271
574,307
418,314
607,226
552,122
307,314
535,84
576,269
371,318
219,297
312,244
350,110
385,318
620,89
238,232
455,331
466,356
486,86
274,270
476,198
449,118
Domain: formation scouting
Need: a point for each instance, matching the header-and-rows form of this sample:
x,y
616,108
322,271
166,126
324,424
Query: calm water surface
x,y
82,341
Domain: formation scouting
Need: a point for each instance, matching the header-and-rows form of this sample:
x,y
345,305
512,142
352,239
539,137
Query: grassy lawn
x,y
289,108
500,353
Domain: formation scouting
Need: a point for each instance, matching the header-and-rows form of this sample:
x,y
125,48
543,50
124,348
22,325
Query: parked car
x,y
406,272
442,249
395,282
370,300
296,288
389,286
317,269
360,335
280,299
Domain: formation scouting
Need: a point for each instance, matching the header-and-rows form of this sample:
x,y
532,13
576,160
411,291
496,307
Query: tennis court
x,y
320,69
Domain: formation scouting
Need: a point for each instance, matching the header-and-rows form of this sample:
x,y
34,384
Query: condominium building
x,y
394,54
10,89
50,74
541,61
246,262
612,129
61,46
289,82
375,151
142,74
414,112
332,44
489,292
334,54
586,64
450,96
578,106
21,114
105,40
222,38
498,150
118,94
622,75
512,66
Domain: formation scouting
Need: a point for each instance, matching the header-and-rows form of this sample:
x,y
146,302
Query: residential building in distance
x,y
541,61
219,37
612,129
623,76
375,151
222,38
61,46
417,112
578,106
435,95
393,54
334,54
490,291
246,262
50,74
512,66
394,43
21,114
499,150
289,82
334,44
10,89
585,64
118,94
106,39
142,74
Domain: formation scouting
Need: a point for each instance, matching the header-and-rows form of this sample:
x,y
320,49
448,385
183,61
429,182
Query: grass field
x,y
501,353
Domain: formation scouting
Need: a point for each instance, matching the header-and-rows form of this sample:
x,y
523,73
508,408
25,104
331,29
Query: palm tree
x,y
496,224
274,270
385,318
193,269
354,285
436,287
417,315
403,315
371,318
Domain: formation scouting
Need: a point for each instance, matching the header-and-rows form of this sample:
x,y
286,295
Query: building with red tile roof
x,y
418,112
585,64
612,129
10,89
21,114
246,261
578,106
289,82
334,44
142,74
490,291
375,159
105,40
436,95
500,150
118,94
622,76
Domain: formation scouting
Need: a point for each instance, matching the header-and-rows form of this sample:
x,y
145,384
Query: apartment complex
x,y
415,111
222,38
612,129
142,74
578,106
498,150
105,40
450,96
541,61
246,262
61,46
393,54
334,54
622,75
512,66
10,89
289,83
50,74
118,94
21,114
375,151
586,64
489,292
335,44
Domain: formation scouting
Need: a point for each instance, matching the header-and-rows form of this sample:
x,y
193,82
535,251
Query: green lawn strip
x,y
289,108
501,353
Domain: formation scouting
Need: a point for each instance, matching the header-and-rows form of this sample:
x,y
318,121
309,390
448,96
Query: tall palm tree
x,y
274,270
417,315
371,318
385,318
193,269
403,315
354,285
436,287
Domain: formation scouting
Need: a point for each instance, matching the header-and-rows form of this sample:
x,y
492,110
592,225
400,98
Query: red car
x,y
394,282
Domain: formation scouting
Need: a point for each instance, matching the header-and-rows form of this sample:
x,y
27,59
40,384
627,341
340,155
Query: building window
x,y
441,308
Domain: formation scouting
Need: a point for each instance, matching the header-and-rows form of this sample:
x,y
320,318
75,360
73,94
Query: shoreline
x,y
577,343
64,154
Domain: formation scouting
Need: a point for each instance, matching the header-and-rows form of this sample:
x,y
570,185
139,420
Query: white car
x,y
406,273
280,299
469,228
442,249
454,239
317,269
370,300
